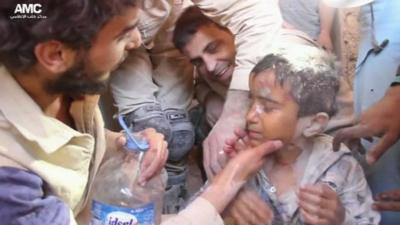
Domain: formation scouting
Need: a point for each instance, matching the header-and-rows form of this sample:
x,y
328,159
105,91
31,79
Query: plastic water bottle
x,y
118,199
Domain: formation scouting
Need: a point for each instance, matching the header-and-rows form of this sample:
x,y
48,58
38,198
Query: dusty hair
x,y
73,22
310,73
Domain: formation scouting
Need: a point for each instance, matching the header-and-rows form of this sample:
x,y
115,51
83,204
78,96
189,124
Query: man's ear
x,y
54,56
317,125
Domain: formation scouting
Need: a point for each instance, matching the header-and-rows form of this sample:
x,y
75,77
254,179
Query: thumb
x,y
267,148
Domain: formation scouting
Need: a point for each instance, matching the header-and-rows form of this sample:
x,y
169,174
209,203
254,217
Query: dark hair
x,y
73,22
314,87
188,23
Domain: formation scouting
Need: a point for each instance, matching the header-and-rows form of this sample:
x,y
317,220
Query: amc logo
x,y
28,8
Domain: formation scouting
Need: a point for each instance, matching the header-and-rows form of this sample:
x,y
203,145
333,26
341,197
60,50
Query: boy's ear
x,y
54,56
317,125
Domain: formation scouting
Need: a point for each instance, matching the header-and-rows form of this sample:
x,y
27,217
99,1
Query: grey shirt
x,y
302,14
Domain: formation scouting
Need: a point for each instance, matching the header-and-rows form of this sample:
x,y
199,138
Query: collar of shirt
x,y
22,112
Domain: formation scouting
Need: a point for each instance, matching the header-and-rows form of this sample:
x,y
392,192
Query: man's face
x,y
91,71
212,51
274,113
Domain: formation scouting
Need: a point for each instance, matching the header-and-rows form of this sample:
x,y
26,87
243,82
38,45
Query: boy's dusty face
x,y
274,113
212,51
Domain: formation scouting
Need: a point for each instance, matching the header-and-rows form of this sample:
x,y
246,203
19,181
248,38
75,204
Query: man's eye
x,y
212,48
127,35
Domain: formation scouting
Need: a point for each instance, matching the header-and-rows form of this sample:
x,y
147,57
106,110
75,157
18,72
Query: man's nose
x,y
136,40
210,63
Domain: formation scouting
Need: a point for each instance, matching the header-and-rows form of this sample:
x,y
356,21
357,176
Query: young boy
x,y
293,95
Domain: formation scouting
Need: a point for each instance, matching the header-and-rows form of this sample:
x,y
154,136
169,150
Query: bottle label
x,y
104,214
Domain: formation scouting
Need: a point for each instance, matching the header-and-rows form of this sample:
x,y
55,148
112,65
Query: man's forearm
x,y
326,16
221,191
393,93
236,104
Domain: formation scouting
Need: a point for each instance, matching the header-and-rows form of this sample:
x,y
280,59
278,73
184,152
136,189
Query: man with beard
x,y
51,129
52,138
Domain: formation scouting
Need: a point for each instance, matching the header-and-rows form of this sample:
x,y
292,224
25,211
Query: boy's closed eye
x,y
268,104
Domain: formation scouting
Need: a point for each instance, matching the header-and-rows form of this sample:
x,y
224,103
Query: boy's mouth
x,y
254,135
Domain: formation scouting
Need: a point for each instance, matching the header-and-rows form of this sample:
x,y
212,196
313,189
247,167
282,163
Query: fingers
x,y
214,155
207,159
387,205
381,147
238,217
349,134
221,156
240,133
246,163
312,219
309,202
154,160
319,204
246,216
258,208
249,209
393,195
155,157
229,147
268,147
251,161
319,191
388,201
239,142
244,137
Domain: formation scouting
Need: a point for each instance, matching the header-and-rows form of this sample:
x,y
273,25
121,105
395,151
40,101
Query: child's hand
x,y
320,205
236,144
248,208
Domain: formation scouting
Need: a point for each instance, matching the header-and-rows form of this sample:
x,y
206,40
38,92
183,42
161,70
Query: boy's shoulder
x,y
324,158
325,142
340,168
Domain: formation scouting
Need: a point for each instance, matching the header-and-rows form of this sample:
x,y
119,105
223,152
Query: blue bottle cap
x,y
133,142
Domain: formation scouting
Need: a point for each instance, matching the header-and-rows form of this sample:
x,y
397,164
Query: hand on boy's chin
x,y
255,139
257,142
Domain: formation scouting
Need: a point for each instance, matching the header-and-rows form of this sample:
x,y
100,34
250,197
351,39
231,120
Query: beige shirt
x,y
60,155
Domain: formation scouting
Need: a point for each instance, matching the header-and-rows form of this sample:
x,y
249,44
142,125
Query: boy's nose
x,y
252,114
